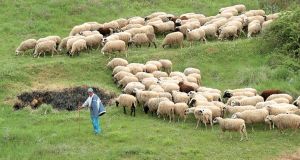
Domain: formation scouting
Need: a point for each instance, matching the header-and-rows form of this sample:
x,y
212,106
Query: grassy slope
x,y
223,65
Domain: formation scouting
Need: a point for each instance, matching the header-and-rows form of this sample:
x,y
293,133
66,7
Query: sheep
x,y
112,46
273,96
229,124
87,33
124,36
228,31
165,94
79,28
276,110
56,39
126,100
250,19
136,67
144,96
253,28
281,100
63,43
269,122
203,114
45,46
114,25
149,68
143,38
297,102
130,87
266,93
78,46
130,26
166,65
93,41
180,97
271,16
116,62
249,92
156,88
105,31
152,104
209,90
247,101
136,20
169,87
216,110
230,110
25,46
252,116
127,79
157,63
166,108
195,35
192,79
142,75
210,30
179,110
284,105
185,88
260,105
70,42
266,24
118,69
122,22
229,100
211,96
190,70
177,74
173,38
94,25
284,121
149,81
164,27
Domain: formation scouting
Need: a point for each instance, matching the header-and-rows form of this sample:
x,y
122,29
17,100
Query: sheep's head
x,y
177,29
191,93
296,103
146,108
180,83
227,94
235,103
216,120
192,102
117,103
188,111
236,115
17,52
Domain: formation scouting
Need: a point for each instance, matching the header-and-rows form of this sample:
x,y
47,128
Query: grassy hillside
x,y
229,64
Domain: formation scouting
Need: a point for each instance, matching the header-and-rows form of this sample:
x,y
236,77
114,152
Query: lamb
x,y
126,100
271,16
25,46
56,39
284,121
159,74
185,88
180,97
179,110
266,93
127,79
78,46
205,115
195,35
253,28
297,102
130,87
173,38
269,122
113,46
166,65
149,68
230,110
229,124
142,38
152,104
247,101
166,108
116,62
229,31
119,69
252,116
136,67
273,96
216,110
45,46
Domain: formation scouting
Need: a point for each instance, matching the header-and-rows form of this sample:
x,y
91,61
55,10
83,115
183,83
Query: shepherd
x,y
96,109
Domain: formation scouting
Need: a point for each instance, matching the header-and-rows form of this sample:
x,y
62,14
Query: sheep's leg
x,y
242,135
124,110
149,44
190,44
154,44
204,39
197,123
170,116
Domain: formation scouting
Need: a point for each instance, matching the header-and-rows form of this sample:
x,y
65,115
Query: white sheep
x,y
228,31
119,69
179,110
247,101
229,124
45,46
127,79
166,65
120,75
253,28
159,74
180,97
297,102
166,108
157,63
63,43
195,35
173,38
144,96
260,105
130,87
156,88
117,62
280,100
78,46
142,38
70,42
113,46
169,87
150,68
234,109
284,121
210,30
205,116
252,116
135,68
25,46
190,70
126,100
273,96
93,41
268,121
139,74
152,104
149,81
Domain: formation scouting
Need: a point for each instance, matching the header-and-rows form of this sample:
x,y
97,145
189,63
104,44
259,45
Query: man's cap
x,y
90,90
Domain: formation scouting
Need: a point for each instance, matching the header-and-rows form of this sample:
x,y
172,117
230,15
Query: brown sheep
x,y
185,88
266,93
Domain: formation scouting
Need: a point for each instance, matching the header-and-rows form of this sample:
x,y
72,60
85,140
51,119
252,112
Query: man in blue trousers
x,y
96,109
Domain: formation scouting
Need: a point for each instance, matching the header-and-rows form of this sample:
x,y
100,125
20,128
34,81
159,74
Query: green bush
x,y
284,33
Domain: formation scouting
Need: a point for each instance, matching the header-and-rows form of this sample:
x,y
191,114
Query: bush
x,y
284,33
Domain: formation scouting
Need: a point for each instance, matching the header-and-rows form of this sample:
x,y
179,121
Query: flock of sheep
x,y
117,35
167,93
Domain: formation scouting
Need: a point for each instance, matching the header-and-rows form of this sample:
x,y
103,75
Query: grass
x,y
229,64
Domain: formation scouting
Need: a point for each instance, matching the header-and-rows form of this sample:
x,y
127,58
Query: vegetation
x,y
65,135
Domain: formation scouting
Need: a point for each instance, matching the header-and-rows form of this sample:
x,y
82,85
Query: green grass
x,y
229,64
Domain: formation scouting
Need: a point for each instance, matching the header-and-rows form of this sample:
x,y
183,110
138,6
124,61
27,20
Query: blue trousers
x,y
96,124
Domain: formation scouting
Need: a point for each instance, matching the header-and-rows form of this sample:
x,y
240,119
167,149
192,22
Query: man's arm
x,y
86,103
